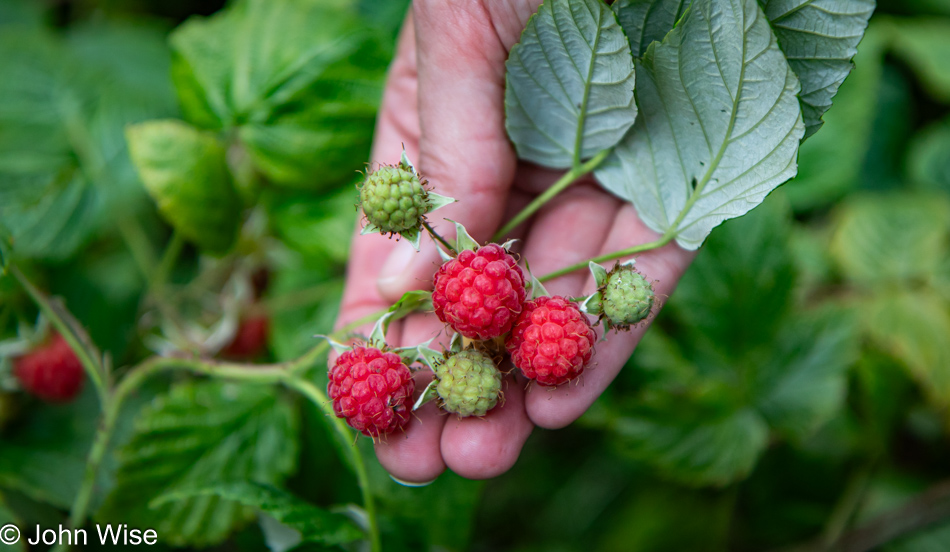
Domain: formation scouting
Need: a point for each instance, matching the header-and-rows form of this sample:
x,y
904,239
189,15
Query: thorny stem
x,y
435,235
569,178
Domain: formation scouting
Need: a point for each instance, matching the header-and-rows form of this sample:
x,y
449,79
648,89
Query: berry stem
x,y
569,178
435,235
280,373
347,440
664,239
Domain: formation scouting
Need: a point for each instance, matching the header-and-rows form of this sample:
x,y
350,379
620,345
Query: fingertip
x,y
558,407
482,448
413,457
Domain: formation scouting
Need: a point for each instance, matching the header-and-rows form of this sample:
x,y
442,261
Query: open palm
x,y
444,101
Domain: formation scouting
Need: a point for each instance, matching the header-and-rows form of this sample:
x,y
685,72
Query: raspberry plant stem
x,y
664,239
285,373
435,235
569,178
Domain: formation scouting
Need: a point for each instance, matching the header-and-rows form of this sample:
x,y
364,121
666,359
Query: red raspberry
x,y
372,390
250,340
479,293
51,372
552,341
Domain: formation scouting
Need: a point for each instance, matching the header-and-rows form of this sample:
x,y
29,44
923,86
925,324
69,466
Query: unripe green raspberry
x,y
469,383
394,199
627,297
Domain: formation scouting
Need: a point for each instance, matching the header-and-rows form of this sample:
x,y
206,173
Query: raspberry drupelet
x,y
371,390
480,293
552,341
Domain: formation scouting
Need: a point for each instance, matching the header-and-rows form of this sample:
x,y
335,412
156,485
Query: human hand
x,y
444,101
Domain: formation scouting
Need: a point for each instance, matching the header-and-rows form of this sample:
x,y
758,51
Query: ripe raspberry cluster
x,y
482,295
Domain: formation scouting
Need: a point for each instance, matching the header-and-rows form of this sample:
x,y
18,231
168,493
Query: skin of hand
x,y
444,100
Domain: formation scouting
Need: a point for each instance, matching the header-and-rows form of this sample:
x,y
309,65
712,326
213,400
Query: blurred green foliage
x,y
793,394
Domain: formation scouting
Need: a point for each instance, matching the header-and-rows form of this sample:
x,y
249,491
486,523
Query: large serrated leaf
x,y
803,384
894,239
300,81
696,445
719,123
570,80
201,433
819,38
185,171
64,167
314,524
647,21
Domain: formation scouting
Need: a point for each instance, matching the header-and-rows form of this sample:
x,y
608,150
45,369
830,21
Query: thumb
x,y
464,150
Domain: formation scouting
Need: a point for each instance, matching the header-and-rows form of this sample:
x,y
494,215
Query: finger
x,y
481,448
397,124
413,456
556,408
464,150
570,228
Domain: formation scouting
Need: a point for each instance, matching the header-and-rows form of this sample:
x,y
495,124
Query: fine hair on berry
x,y
480,293
552,341
372,390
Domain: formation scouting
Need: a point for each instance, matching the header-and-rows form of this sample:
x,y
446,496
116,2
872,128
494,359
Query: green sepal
x,y
592,304
456,345
406,164
378,335
338,347
370,228
413,236
429,394
408,354
411,301
508,244
599,273
535,285
463,240
429,356
438,201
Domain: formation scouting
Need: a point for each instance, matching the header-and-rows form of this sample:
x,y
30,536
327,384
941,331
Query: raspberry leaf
x,y
312,524
708,145
274,90
185,171
569,85
200,434
819,38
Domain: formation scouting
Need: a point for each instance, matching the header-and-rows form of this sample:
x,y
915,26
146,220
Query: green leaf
x,y
185,171
924,44
316,225
882,240
819,38
695,444
198,434
929,157
44,456
7,518
314,524
709,145
569,84
830,163
300,81
745,270
912,326
648,21
803,384
64,168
